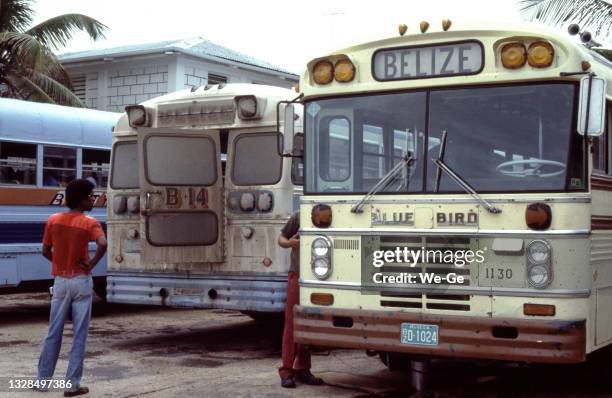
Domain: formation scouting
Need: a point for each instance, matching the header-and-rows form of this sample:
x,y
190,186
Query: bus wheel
x,y
100,288
395,362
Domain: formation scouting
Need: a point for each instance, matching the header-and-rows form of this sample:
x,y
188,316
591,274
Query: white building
x,y
109,79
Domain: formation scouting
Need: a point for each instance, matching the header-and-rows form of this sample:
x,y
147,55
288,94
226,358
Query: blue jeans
x,y
75,293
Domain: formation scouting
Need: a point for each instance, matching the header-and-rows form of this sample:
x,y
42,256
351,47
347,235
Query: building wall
x,y
110,86
196,72
130,86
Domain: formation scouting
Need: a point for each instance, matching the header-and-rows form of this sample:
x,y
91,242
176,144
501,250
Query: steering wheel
x,y
533,171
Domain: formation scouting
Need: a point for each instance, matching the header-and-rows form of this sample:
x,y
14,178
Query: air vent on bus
x,y
346,244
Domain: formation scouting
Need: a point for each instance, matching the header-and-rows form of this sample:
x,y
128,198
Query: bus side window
x,y
96,164
59,166
601,147
17,163
335,149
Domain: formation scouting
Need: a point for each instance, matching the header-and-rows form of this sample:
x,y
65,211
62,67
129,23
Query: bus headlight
x,y
540,54
320,247
538,252
539,276
247,107
137,115
321,257
119,204
539,264
513,55
321,268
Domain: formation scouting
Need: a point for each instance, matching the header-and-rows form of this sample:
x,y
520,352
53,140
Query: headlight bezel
x,y
530,257
321,242
543,266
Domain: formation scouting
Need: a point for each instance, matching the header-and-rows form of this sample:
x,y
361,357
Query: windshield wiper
x,y
455,177
406,160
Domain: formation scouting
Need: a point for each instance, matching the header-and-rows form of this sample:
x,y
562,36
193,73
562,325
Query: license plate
x,y
419,334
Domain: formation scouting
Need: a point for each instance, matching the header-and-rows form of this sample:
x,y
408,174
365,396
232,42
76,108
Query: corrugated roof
x,y
197,46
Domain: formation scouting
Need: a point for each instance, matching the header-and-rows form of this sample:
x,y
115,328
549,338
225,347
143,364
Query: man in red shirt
x,y
65,244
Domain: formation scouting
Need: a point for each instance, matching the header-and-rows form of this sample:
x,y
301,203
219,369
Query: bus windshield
x,y
515,138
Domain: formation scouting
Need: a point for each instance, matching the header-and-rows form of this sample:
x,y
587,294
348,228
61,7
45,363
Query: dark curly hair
x,y
77,191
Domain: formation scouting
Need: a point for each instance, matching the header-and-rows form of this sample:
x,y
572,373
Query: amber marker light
x,y
321,216
344,71
586,65
424,25
402,28
538,216
539,309
446,24
323,72
540,54
513,55
322,298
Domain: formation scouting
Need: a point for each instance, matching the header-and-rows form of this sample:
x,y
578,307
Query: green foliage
x,y
28,68
592,15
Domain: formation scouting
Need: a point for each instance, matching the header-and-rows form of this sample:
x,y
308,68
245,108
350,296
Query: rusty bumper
x,y
520,340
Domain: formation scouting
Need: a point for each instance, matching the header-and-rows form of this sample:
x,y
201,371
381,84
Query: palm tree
x,y
28,68
592,15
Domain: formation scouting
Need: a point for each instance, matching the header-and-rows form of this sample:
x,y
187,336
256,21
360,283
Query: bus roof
x,y
569,53
219,92
228,90
35,122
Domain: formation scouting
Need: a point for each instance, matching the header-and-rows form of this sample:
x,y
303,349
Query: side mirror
x,y
592,106
288,128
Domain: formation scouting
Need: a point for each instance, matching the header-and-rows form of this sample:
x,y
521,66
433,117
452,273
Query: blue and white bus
x,y
42,148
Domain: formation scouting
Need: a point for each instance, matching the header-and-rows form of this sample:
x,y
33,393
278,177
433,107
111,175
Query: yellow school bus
x,y
199,191
458,196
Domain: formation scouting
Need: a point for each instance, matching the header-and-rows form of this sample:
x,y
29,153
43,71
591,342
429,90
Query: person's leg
x,y
60,304
81,314
288,356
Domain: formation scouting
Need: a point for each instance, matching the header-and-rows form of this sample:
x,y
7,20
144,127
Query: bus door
x,y
181,198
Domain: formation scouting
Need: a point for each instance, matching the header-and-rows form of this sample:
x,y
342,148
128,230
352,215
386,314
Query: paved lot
x,y
158,352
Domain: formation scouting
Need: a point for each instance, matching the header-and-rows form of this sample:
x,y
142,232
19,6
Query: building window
x,y
79,87
17,163
216,79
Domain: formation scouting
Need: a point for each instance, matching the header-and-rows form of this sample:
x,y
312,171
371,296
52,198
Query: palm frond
x,y
24,88
54,89
592,15
15,15
26,52
22,49
56,32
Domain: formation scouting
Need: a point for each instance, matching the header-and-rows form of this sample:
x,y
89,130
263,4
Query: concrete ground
x,y
160,352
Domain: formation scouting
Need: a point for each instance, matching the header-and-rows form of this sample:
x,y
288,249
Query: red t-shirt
x,y
69,234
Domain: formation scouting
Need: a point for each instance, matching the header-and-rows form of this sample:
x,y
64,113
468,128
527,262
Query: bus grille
x,y
439,298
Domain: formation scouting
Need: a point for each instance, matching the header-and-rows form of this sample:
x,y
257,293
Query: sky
x,y
285,33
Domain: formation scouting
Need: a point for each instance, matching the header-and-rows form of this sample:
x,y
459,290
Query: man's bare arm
x,y
292,243
101,246
47,252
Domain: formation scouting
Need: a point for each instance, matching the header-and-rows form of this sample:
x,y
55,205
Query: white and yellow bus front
x,y
397,256
199,194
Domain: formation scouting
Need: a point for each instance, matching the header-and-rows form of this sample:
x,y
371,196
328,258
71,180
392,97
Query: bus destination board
x,y
418,62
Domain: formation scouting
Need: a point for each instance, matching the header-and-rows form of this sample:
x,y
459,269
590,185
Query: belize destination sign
x,y
418,62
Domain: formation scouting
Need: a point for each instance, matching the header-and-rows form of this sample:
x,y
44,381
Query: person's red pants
x,y
295,356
